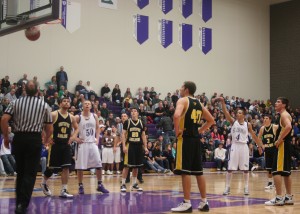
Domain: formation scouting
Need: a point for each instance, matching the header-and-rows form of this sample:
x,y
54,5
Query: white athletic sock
x,y
123,180
246,178
133,180
228,179
204,200
64,186
44,180
270,180
187,201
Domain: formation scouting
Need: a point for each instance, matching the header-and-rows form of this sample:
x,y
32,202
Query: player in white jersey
x,y
87,155
239,151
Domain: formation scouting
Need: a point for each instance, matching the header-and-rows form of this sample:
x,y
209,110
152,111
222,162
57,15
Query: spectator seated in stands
x,y
116,94
51,82
168,153
82,90
5,84
150,161
257,157
159,112
158,156
295,152
50,91
105,92
220,157
217,138
8,160
165,127
210,150
104,111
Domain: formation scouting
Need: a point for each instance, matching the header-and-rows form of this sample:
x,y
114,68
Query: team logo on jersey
x,y
195,103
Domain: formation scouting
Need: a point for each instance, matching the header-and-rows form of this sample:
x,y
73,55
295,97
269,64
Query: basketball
x,y
33,33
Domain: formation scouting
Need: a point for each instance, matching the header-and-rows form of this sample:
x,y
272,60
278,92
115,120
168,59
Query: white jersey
x,y
239,132
87,129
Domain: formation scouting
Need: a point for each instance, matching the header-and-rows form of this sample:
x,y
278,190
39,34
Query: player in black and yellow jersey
x,y
60,151
134,145
282,158
266,135
188,114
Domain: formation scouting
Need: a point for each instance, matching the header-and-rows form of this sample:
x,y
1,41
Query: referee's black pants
x,y
27,150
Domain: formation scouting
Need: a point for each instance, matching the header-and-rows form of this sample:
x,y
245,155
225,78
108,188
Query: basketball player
x,y
134,136
87,155
282,158
239,151
187,118
266,137
60,149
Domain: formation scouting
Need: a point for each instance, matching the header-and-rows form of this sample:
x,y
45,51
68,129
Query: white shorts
x,y
108,155
239,157
87,156
117,155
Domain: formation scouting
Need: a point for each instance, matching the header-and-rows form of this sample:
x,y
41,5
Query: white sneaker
x,y
270,186
103,172
46,190
254,168
123,188
227,191
224,169
183,207
203,206
288,200
246,191
65,194
108,172
118,172
275,202
136,187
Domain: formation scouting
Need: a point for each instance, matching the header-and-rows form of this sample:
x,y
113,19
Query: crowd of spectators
x,y
153,109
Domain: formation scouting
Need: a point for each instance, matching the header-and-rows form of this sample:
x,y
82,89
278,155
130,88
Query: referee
x,y
29,114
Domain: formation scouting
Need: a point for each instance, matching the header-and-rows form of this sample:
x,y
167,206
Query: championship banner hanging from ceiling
x,y
205,39
141,3
141,28
165,5
109,4
165,35
185,36
186,7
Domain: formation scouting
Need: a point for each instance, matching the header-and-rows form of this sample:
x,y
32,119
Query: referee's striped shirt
x,y
29,114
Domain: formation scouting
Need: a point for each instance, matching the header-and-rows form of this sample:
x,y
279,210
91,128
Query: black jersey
x,y
280,129
62,128
134,131
190,122
268,136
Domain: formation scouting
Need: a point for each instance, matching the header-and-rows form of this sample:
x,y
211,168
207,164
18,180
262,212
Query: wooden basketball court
x,y
161,193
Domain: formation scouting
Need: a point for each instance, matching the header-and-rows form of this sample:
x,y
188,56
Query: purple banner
x,y
206,10
186,36
142,3
64,13
206,40
166,33
32,4
142,28
167,6
187,8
